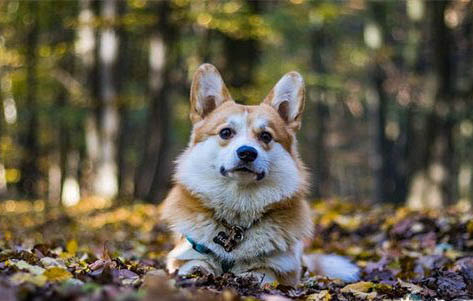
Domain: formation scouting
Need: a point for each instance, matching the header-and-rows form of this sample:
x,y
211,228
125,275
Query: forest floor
x,y
100,252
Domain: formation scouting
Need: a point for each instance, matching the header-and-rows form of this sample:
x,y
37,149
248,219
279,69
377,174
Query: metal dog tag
x,y
230,241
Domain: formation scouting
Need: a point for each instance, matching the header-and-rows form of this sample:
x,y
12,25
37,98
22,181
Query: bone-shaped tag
x,y
229,241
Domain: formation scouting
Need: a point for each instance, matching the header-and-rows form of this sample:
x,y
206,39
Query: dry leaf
x,y
72,247
320,296
360,290
23,265
57,274
21,277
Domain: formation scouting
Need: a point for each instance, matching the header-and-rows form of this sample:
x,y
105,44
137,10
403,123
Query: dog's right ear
x,y
208,91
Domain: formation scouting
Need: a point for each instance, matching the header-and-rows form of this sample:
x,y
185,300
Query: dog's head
x,y
239,151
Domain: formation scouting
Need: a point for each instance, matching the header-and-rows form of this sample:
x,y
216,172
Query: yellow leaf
x,y
320,296
20,277
72,246
469,227
362,286
57,274
360,290
23,265
383,288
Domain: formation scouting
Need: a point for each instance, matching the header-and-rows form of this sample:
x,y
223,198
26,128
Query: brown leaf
x,y
127,277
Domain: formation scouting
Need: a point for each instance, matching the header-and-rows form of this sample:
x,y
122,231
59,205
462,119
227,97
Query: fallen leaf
x,y
416,289
323,295
360,290
72,246
23,265
128,277
362,286
57,274
447,284
411,287
51,262
73,282
21,277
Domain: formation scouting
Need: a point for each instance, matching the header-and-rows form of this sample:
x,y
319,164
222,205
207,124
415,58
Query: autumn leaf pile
x,y
105,252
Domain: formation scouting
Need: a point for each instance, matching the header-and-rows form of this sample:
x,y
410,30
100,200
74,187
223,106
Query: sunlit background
x,y
94,94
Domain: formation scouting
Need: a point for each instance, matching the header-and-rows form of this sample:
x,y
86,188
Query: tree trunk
x,y
86,50
30,172
384,169
405,151
56,167
60,148
434,183
377,100
3,179
152,176
106,184
125,169
319,155
241,55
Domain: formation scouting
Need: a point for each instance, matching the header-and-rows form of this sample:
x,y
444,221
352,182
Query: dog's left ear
x,y
208,91
288,98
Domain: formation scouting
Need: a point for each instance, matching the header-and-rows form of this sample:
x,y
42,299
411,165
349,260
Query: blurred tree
x,y
68,132
387,118
151,180
29,169
320,47
86,50
58,167
106,184
124,132
434,182
3,179
376,37
241,54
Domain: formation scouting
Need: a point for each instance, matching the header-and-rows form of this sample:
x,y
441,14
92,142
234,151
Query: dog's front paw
x,y
260,277
195,267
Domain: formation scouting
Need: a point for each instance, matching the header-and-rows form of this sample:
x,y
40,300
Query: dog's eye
x,y
266,137
226,133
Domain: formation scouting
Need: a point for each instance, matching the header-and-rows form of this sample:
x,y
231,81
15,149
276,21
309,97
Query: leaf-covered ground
x,y
96,252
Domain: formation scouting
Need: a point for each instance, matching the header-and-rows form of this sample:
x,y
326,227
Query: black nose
x,y
247,153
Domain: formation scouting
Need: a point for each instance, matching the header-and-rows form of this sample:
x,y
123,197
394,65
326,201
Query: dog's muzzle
x,y
242,168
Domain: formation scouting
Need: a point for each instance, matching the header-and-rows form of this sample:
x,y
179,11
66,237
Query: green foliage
x,y
326,41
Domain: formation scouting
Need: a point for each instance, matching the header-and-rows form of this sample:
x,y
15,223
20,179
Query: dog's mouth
x,y
242,169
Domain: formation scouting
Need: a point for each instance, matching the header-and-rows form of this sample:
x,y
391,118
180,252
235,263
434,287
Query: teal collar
x,y
198,247
202,249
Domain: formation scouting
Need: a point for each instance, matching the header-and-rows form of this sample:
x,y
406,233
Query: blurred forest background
x,y
94,94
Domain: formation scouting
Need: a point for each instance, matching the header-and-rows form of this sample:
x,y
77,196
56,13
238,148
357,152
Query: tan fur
x,y
296,123
197,113
285,224
272,246
215,121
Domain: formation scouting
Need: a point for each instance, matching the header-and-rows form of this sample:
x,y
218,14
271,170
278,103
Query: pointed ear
x,y
287,97
208,91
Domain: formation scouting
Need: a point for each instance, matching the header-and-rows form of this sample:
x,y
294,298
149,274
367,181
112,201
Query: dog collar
x,y
225,264
227,239
198,247
230,241
234,236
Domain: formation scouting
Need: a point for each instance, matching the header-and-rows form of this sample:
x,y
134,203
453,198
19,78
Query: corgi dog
x,y
238,203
